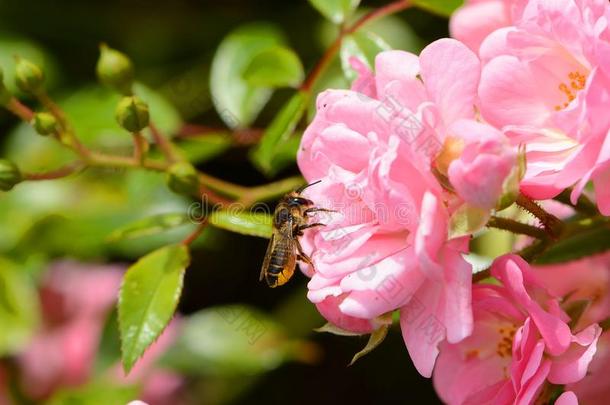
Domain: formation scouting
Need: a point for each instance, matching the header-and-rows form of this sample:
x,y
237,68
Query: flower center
x,y
577,82
505,344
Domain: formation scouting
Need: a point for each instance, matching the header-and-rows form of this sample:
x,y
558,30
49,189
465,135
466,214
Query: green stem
x,y
163,144
192,237
551,223
66,134
270,191
54,109
481,275
245,195
139,147
63,171
516,227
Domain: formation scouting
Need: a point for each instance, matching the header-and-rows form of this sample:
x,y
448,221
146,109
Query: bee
x,y
290,219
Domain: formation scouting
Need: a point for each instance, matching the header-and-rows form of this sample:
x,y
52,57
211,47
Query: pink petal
x,y
572,365
473,22
431,235
458,282
512,94
365,82
601,182
330,310
555,332
451,73
422,330
567,398
397,82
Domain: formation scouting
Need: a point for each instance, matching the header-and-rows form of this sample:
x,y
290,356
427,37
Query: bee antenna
x,y
300,189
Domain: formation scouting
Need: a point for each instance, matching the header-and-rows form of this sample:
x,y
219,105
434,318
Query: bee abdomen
x,y
277,262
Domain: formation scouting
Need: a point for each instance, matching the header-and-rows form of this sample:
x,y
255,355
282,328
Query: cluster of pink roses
x,y
423,140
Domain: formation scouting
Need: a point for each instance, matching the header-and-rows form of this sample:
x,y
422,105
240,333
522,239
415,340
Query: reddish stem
x,y
327,58
163,143
63,171
20,110
195,234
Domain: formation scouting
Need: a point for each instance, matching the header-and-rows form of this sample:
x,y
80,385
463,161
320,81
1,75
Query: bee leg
x,y
317,209
303,227
302,256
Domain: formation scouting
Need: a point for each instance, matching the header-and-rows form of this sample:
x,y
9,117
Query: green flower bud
x,y
114,69
28,76
5,96
9,175
44,123
132,114
182,178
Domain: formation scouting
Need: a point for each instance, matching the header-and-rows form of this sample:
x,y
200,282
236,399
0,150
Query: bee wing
x,y
267,256
288,243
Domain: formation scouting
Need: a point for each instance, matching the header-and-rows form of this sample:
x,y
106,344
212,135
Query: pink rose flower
x,y
546,83
521,342
586,279
480,174
387,247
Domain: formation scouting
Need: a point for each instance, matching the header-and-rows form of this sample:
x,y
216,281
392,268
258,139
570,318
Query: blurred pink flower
x,y
387,248
75,303
521,341
159,386
4,398
76,300
545,82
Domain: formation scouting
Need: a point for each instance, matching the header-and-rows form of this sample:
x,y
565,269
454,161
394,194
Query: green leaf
x,y
393,29
237,101
335,330
279,131
228,341
148,298
335,10
364,46
149,226
467,220
95,393
442,7
245,223
18,307
583,244
275,67
375,340
286,153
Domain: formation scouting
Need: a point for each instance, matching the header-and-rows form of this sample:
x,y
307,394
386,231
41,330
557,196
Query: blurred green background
x,y
172,45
